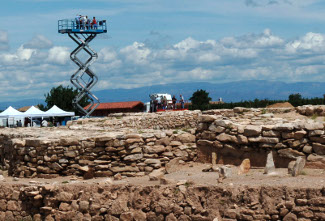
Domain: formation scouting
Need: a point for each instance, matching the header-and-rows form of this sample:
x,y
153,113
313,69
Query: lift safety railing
x,y
84,79
72,25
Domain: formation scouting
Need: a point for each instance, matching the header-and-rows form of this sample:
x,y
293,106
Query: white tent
x,y
11,112
34,112
10,116
57,112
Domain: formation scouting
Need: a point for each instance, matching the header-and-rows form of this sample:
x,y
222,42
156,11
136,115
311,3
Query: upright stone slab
x,y
244,167
225,171
290,166
269,167
214,158
299,166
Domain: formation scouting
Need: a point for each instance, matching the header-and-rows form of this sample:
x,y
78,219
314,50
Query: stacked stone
x,y
310,110
105,155
120,202
235,141
160,120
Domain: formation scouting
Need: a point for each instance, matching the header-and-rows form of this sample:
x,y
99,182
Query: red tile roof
x,y
117,105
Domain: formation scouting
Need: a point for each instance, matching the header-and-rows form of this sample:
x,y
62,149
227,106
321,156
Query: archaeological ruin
x,y
181,165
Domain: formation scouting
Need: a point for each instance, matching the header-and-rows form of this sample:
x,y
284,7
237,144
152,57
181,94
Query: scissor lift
x,y
84,78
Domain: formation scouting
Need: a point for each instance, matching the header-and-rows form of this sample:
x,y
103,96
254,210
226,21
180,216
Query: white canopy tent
x,y
34,112
11,112
57,112
10,116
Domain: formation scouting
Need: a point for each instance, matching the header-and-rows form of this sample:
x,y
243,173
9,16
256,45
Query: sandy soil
x,y
281,105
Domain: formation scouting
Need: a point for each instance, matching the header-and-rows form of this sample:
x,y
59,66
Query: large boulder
x,y
290,153
154,149
186,138
133,157
207,118
252,130
319,148
157,174
173,165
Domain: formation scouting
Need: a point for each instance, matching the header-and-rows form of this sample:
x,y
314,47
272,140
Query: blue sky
x,y
155,42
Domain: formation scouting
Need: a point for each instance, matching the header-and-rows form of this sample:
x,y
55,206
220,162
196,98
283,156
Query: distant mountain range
x,y
232,91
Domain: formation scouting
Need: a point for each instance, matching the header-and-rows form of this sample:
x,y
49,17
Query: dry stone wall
x,y
159,120
252,134
310,110
116,202
107,154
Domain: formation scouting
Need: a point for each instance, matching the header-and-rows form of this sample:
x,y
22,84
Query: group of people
x,y
162,103
83,22
36,123
181,101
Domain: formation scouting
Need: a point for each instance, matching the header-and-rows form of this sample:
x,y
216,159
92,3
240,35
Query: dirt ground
x,y
281,105
192,174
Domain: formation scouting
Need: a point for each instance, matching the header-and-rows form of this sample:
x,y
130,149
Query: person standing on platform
x,y
164,103
83,22
87,23
155,105
174,102
181,101
94,23
78,21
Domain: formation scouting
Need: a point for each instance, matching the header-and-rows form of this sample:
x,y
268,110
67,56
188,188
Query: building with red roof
x,y
104,109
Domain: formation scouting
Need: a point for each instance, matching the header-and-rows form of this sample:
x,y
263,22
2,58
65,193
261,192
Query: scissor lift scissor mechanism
x,y
84,79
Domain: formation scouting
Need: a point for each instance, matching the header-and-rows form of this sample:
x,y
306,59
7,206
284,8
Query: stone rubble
x,y
161,202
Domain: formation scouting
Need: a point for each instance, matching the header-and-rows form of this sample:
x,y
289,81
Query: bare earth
x,y
193,175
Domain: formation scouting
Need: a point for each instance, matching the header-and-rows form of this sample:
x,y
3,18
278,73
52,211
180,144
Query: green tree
x,y
42,107
200,100
296,99
62,97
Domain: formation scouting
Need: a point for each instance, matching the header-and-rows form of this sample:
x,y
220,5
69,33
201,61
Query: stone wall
x,y
160,120
310,110
107,154
171,203
252,135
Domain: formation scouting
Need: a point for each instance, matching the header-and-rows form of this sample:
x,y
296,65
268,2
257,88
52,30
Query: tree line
x,y
201,100
62,97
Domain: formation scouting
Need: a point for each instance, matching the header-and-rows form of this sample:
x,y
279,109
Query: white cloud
x,y
313,42
259,3
4,41
21,55
187,44
136,53
39,42
59,55
251,56
265,39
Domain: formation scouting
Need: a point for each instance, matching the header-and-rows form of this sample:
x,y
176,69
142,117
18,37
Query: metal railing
x,y
73,25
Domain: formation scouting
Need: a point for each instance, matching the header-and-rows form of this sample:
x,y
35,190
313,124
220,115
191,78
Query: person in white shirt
x,y
77,21
181,100
44,123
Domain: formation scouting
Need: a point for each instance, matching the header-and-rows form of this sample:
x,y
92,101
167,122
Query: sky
x,y
153,42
